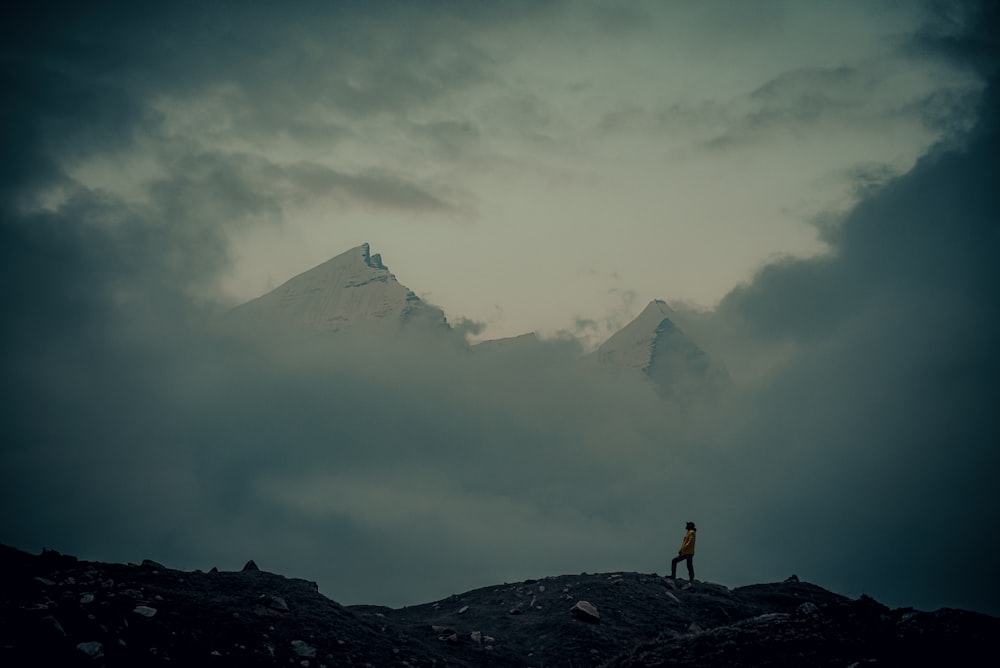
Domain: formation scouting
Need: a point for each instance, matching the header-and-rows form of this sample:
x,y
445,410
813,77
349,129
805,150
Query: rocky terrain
x,y
58,610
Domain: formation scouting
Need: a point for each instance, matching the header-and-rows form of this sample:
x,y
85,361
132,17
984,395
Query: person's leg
x,y
690,560
673,567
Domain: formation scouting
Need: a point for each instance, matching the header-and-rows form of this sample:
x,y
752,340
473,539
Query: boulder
x,y
585,611
92,649
806,609
144,610
304,649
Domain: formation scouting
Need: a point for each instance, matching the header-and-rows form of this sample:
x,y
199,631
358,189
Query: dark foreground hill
x,y
57,610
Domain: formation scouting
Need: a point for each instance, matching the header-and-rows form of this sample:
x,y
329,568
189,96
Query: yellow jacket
x,y
687,547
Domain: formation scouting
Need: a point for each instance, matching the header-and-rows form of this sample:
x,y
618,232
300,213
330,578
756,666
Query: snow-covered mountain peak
x,y
654,344
655,313
352,289
633,345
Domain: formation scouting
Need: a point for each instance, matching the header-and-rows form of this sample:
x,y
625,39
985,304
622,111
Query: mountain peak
x,y
656,309
349,290
653,344
373,261
633,345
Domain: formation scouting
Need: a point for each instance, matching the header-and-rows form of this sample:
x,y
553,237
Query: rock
x,y
47,583
144,610
250,566
792,578
463,609
806,609
303,648
92,649
585,611
446,635
149,563
234,619
54,625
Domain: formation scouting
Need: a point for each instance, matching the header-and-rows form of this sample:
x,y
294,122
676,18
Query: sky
x,y
809,185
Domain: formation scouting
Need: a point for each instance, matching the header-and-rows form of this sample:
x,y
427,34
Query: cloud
x,y
862,95
876,409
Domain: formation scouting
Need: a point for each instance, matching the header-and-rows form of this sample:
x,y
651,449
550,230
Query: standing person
x,y
686,553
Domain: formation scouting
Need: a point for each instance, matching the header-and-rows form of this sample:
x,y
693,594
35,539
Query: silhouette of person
x,y
686,553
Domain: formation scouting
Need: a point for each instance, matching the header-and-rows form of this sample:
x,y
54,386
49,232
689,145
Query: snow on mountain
x,y
352,290
355,291
653,344
519,342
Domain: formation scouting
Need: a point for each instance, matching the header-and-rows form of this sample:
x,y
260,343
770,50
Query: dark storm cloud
x,y
83,82
878,410
805,100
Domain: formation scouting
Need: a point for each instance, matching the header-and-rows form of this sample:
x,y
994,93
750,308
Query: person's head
x,y
691,527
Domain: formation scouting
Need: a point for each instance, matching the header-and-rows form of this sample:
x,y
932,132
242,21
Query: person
x,y
686,553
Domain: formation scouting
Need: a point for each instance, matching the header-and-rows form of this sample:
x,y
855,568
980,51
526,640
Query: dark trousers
x,y
689,558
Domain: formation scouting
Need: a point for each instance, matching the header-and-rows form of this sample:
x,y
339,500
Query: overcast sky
x,y
812,184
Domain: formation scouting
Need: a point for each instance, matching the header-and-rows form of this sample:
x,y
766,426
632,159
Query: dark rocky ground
x,y
56,610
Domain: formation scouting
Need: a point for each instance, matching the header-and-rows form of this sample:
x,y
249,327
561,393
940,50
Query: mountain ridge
x,y
356,291
59,610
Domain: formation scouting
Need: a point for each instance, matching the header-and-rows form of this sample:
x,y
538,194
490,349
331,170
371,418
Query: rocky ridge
x,y
58,610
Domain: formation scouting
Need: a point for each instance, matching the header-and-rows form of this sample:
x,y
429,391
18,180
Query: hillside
x,y
58,610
